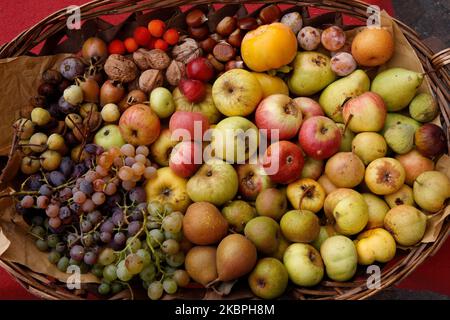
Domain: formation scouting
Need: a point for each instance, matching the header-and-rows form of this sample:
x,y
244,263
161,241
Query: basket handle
x,y
441,59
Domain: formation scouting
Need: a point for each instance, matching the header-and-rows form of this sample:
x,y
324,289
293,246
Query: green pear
x,y
395,118
312,73
263,232
340,257
400,137
397,87
238,213
334,96
406,224
423,108
269,279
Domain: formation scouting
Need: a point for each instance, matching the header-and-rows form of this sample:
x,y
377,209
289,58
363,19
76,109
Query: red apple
x,y
252,180
366,112
320,137
283,162
190,125
139,125
193,90
309,107
430,140
200,69
279,112
186,157
414,164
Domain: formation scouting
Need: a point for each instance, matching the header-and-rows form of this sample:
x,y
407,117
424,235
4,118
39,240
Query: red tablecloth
x,y
15,16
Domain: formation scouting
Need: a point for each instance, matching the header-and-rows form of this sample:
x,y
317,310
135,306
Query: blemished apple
x,y
309,107
216,181
235,139
351,214
252,180
161,102
280,114
384,176
345,170
375,245
357,112
340,257
186,125
165,186
306,194
161,149
414,163
109,136
283,162
269,278
139,125
186,158
319,137
304,264
237,92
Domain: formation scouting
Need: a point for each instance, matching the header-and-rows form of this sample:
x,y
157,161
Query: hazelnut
x,y
216,64
234,64
151,59
150,79
248,23
175,72
208,44
186,51
224,52
195,18
235,38
270,14
198,33
120,68
226,26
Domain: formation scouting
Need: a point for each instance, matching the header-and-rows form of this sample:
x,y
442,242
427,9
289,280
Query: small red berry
x,y
116,46
171,36
156,28
131,45
151,43
161,44
142,36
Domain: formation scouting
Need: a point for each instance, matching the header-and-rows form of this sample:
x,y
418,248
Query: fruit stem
x,y
303,196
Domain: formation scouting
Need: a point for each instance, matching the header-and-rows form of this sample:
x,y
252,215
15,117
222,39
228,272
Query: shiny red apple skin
x,y
200,69
283,161
279,112
319,137
187,120
252,180
139,125
186,158
193,90
368,112
309,107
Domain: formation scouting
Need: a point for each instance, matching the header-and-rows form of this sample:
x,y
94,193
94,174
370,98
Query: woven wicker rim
x,y
434,64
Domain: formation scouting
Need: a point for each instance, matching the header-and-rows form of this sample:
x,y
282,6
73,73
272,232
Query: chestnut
x,y
247,23
198,33
430,140
63,85
235,38
195,18
208,44
234,64
226,26
217,37
270,14
224,52
216,64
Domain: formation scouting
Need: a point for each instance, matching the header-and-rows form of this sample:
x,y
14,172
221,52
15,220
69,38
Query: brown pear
x,y
236,256
200,264
203,224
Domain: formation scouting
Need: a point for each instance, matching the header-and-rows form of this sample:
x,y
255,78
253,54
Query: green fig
x,y
396,118
400,138
397,87
334,96
312,73
423,108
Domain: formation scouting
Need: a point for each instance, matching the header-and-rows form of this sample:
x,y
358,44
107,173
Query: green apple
x,y
269,279
263,232
234,139
324,233
238,213
351,214
161,102
300,225
340,257
304,264
216,181
109,136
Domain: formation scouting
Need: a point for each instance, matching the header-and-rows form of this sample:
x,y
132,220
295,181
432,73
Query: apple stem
x,y
303,196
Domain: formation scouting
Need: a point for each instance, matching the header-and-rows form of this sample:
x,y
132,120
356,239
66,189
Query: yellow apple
x,y
375,245
431,189
308,193
384,176
404,195
340,257
271,84
406,223
377,210
351,215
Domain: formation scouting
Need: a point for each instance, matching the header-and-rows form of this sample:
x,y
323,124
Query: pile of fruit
x,y
260,150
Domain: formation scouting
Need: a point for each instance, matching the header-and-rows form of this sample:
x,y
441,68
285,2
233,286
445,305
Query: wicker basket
x,y
51,30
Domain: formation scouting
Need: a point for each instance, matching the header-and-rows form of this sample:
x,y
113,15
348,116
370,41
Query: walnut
x,y
150,79
151,59
175,72
186,51
120,68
